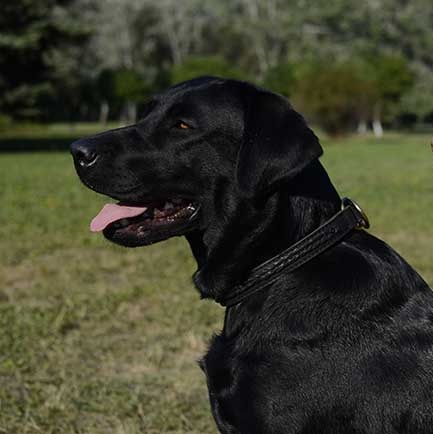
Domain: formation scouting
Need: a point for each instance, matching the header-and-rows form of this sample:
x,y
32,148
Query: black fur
x,y
343,345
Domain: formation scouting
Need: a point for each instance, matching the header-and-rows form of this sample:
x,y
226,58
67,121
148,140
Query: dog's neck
x,y
253,234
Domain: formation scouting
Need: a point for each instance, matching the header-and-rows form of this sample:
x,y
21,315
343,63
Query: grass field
x,y
97,339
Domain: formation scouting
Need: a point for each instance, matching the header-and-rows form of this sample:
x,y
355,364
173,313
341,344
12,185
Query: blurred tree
x,y
211,65
34,42
123,88
391,78
127,37
281,78
124,34
394,36
129,89
261,28
106,94
333,96
182,26
339,96
419,99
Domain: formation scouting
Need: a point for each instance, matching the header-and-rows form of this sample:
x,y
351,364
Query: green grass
x,y
97,339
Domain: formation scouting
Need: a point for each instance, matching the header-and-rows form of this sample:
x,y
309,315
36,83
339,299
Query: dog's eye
x,y
182,125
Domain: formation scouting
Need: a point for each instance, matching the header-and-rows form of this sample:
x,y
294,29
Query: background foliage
x,y
371,62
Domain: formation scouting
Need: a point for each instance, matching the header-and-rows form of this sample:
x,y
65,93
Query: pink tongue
x,y
113,212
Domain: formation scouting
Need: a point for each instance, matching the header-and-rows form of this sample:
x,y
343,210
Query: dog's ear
x,y
277,144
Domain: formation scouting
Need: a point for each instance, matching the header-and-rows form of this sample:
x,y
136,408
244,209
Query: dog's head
x,y
198,147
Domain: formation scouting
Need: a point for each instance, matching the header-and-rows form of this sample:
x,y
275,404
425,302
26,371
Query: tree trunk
x,y
377,122
128,114
104,111
377,128
131,112
362,127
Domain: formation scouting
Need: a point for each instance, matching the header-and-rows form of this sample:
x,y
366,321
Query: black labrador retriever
x,y
343,343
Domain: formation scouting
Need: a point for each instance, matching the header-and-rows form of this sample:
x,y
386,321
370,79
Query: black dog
x,y
342,344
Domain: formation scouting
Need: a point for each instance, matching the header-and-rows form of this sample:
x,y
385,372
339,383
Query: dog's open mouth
x,y
139,224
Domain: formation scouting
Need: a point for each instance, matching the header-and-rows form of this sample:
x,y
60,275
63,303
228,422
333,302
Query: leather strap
x,y
329,234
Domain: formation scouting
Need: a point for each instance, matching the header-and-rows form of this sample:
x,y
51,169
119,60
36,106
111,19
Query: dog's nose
x,y
84,153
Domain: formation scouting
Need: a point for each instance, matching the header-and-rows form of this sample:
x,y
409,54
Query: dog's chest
x,y
224,374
